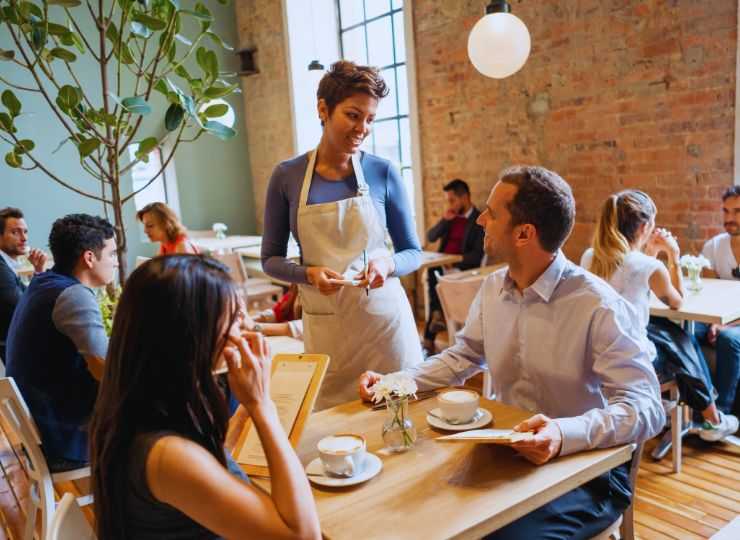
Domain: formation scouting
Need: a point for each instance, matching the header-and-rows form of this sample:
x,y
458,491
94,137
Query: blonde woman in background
x,y
162,225
624,253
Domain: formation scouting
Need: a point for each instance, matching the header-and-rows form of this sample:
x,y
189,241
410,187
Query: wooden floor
x,y
692,505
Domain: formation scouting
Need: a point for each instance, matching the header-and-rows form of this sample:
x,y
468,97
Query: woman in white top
x,y
624,253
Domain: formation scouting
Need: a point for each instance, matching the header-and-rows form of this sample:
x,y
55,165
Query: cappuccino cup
x,y
342,454
458,406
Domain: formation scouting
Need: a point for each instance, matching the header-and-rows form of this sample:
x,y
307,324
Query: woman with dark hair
x,y
159,469
162,225
338,203
624,253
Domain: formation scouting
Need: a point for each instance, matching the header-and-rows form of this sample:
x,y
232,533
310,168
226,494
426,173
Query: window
x,y
164,188
371,32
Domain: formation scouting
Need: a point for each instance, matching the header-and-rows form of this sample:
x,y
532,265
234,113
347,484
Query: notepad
x,y
489,436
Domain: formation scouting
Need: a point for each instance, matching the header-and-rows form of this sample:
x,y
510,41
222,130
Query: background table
x,y
230,243
429,259
717,303
438,490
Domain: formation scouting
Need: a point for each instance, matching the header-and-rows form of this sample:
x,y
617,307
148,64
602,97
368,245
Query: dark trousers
x,y
579,514
434,304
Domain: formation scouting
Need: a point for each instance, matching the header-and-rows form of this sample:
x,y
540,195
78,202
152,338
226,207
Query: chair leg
x,y
627,529
676,431
31,510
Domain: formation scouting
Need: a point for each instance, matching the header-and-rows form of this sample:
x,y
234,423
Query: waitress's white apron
x,y
358,331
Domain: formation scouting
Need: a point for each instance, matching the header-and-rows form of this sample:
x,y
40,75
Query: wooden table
x,y
429,259
285,345
439,490
717,303
230,243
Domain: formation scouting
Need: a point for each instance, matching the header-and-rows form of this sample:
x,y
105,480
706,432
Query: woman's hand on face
x,y
378,271
319,277
250,367
663,240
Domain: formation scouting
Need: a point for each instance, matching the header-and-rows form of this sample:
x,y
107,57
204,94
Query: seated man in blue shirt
x,y
558,341
57,332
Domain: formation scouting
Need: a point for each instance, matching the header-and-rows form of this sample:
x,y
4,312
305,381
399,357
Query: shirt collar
x,y
13,264
545,285
470,211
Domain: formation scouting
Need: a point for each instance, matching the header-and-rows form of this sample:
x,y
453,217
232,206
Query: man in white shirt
x,y
559,342
723,252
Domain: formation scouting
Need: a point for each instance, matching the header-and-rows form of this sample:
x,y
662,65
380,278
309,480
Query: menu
x,y
489,436
293,387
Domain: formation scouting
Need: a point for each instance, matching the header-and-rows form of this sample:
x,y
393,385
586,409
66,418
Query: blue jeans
x,y
728,363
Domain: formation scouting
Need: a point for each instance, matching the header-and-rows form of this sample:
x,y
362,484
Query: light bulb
x,y
499,45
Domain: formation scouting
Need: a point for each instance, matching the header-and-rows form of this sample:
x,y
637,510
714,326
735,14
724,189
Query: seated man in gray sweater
x,y
56,337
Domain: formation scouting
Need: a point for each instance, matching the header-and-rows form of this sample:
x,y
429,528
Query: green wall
x,y
213,176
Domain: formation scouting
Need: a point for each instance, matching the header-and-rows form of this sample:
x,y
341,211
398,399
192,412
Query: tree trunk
x,y
120,227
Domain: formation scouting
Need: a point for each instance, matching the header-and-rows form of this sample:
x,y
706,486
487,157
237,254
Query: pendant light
x,y
499,43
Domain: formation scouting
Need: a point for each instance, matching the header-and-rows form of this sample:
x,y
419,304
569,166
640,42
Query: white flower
x,y
397,384
694,262
219,227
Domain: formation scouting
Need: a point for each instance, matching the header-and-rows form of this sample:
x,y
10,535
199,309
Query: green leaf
x,y
6,56
218,41
65,3
217,91
87,147
11,103
173,117
63,54
161,87
182,72
112,33
57,29
219,130
13,160
38,37
138,29
201,16
29,9
6,123
23,146
216,111
205,16
146,146
69,97
78,42
152,23
136,105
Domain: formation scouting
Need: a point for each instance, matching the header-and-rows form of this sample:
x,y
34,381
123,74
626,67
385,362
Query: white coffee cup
x,y
342,454
458,406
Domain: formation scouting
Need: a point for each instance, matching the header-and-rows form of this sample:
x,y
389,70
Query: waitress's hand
x,y
378,271
320,276
250,367
367,380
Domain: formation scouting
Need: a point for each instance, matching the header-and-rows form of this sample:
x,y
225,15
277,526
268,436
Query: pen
x,y
364,262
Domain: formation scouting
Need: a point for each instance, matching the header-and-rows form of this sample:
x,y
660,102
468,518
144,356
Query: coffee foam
x,y
459,396
340,444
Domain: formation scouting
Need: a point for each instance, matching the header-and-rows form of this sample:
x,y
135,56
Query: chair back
x,y
206,233
69,522
235,265
17,418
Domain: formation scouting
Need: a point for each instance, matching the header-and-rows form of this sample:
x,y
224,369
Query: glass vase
x,y
220,234
694,276
399,433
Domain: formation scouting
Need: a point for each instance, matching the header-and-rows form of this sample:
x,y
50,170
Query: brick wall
x,y
268,117
615,94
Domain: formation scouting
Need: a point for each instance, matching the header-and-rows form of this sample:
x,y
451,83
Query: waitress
x,y
338,202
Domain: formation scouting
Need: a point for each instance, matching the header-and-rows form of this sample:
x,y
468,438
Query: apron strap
x,y
362,187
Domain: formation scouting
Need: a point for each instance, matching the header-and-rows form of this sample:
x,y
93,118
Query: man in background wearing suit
x,y
13,244
459,234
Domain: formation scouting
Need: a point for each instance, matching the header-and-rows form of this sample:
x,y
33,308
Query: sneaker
x,y
728,425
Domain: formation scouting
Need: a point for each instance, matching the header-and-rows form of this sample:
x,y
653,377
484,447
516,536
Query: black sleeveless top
x,y
147,518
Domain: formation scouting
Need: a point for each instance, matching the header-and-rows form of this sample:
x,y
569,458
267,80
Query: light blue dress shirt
x,y
567,347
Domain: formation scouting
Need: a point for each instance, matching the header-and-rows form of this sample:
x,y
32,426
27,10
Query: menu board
x,y
294,386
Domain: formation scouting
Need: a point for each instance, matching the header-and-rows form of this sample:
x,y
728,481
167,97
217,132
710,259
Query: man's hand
x,y
449,214
367,380
38,259
713,333
547,439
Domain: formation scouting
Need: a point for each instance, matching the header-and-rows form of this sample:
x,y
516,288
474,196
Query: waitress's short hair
x,y
345,79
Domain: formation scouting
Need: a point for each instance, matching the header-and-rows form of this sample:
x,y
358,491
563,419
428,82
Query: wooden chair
x,y
256,290
69,522
677,412
456,293
18,419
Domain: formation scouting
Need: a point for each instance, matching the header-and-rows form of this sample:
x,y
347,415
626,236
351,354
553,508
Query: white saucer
x,y
373,465
485,417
